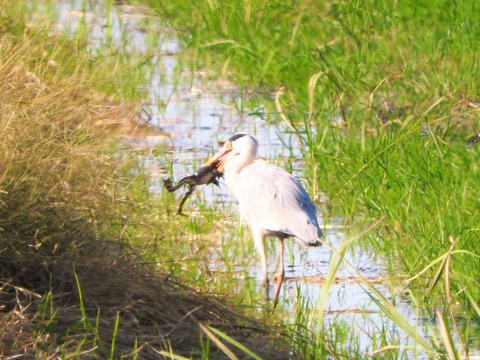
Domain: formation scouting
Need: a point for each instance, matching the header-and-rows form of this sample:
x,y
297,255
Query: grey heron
x,y
270,200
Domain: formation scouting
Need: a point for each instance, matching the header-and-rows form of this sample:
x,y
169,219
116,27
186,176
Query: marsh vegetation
x,y
378,109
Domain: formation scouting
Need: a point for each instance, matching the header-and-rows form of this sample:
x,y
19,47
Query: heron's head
x,y
238,144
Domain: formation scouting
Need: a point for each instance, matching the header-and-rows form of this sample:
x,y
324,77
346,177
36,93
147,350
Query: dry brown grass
x,y
43,314
62,201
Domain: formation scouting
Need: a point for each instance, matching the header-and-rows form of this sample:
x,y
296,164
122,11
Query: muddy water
x,y
193,113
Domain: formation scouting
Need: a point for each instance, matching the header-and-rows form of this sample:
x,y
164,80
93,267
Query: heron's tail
x,y
307,243
314,243
312,239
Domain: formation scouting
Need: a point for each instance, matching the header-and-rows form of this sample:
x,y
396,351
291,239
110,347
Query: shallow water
x,y
194,113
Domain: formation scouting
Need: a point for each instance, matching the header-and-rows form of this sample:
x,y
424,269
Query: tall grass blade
x,y
335,264
439,272
444,267
114,335
235,342
446,337
80,301
170,355
441,259
312,83
217,342
390,310
473,302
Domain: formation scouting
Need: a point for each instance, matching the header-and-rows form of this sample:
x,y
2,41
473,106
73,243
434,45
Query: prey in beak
x,y
220,158
207,174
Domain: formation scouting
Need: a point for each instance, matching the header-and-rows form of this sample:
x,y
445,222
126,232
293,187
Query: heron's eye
x,y
228,145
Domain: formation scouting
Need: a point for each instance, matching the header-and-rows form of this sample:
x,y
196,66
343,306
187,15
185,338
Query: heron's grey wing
x,y
272,199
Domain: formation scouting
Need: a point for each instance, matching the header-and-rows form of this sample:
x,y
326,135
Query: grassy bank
x,y
70,206
385,96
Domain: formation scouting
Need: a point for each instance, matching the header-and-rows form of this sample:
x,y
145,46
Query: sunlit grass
x,y
384,112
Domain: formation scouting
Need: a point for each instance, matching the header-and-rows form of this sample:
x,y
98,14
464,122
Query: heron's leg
x,y
281,272
259,241
280,275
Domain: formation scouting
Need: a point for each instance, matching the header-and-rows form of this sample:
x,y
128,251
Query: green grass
x,y
361,82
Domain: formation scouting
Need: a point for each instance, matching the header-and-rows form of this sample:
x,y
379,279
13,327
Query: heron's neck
x,y
234,168
239,162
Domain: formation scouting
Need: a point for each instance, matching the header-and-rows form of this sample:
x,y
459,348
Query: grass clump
x,y
70,286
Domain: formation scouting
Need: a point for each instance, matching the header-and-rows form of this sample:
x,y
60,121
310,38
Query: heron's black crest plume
x,y
237,136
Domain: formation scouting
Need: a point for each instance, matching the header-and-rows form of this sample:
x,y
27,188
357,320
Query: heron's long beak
x,y
219,159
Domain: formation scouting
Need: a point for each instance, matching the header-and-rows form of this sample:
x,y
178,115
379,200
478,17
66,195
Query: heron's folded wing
x,y
272,199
